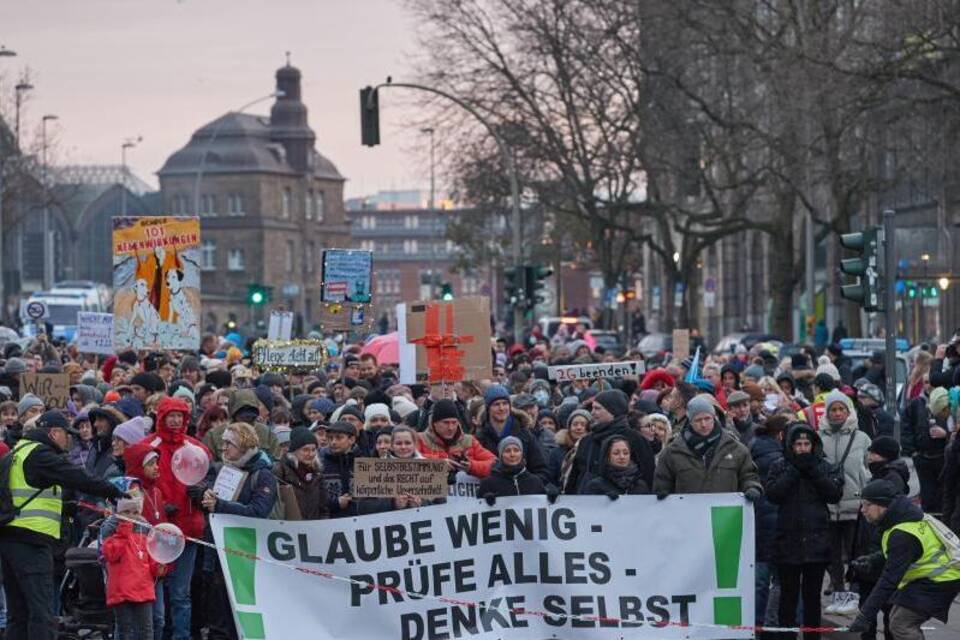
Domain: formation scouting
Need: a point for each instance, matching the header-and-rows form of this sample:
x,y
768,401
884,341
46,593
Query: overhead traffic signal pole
x,y
369,114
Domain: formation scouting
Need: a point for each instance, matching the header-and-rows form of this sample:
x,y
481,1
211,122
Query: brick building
x,y
269,204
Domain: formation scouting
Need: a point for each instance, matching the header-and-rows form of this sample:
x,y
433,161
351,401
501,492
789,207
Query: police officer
x,y
917,578
39,471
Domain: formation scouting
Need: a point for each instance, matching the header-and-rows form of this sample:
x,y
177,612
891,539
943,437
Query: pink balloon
x,y
190,464
165,542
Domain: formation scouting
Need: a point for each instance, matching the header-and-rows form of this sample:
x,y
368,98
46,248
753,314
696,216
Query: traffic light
x,y
534,276
629,294
911,290
868,268
513,286
446,291
369,117
258,294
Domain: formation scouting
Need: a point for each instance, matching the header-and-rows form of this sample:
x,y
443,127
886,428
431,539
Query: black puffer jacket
x,y
766,451
532,451
802,488
867,539
510,481
951,486
606,483
589,456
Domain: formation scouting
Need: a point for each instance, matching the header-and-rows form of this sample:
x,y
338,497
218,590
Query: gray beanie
x,y
583,413
15,365
26,402
508,441
699,404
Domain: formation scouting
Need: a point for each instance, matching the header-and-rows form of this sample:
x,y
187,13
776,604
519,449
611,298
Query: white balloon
x,y
190,464
165,542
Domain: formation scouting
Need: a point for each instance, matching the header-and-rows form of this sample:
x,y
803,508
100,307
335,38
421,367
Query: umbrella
x,y
386,348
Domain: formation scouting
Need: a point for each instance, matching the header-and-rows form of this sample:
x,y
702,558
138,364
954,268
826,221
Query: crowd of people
x,y
806,439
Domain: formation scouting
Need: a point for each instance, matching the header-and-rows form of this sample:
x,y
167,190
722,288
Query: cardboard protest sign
x,y
346,290
522,569
444,341
281,325
52,388
156,283
289,354
95,332
681,343
566,373
393,477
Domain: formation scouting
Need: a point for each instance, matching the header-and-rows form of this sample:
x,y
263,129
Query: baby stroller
x,y
83,600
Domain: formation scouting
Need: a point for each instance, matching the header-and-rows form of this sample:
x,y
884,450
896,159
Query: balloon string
x,y
519,611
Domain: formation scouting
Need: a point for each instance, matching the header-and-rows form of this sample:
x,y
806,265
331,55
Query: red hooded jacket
x,y
152,498
188,515
131,572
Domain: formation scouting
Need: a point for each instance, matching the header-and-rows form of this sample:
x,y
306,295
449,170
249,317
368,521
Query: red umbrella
x,y
386,348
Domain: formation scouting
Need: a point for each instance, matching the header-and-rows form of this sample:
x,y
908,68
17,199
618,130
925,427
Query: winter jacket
x,y
765,451
510,481
463,446
588,459
802,487
183,511
521,428
131,571
727,469
152,497
944,373
867,539
604,484
80,452
918,415
308,488
951,486
561,458
903,549
337,478
258,492
855,470
883,421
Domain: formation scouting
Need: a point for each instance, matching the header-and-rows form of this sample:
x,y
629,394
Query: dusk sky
x,y
114,69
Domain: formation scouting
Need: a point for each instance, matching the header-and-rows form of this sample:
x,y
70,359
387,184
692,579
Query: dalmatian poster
x,y
156,283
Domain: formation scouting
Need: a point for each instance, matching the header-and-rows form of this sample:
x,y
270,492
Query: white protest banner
x,y
289,354
95,332
281,325
464,486
585,567
565,373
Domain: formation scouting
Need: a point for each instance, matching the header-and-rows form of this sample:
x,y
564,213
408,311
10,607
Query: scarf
x,y
242,461
508,470
623,478
507,428
701,444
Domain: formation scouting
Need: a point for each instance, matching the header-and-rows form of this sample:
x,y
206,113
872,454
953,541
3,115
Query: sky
x,y
112,70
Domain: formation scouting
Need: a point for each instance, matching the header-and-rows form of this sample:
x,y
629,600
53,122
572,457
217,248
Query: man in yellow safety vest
x,y
39,472
918,578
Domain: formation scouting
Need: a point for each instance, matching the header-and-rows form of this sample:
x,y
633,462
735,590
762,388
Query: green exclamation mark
x,y
242,569
727,538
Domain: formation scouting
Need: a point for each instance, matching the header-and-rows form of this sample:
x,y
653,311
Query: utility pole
x,y
4,53
433,217
811,269
127,144
47,249
890,315
19,90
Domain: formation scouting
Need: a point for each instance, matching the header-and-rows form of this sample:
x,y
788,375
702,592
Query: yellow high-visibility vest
x,y
934,562
42,514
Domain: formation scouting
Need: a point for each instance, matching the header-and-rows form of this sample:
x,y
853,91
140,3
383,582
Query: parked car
x,y
654,344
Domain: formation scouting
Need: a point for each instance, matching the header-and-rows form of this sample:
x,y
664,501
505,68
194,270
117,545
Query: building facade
x,y
269,205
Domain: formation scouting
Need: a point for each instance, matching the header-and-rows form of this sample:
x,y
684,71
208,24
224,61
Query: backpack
x,y
8,512
950,541
279,511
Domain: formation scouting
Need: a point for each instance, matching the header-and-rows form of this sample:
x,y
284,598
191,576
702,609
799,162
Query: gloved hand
x,y
491,499
171,510
552,493
195,492
753,494
859,625
804,462
662,496
613,495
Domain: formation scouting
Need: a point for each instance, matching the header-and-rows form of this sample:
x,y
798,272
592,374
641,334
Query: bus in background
x,y
62,309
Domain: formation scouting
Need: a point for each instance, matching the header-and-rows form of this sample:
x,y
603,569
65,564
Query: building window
x,y
208,255
310,249
368,222
235,204
286,201
180,204
470,286
308,205
319,206
208,204
289,256
235,260
367,245
410,246
411,222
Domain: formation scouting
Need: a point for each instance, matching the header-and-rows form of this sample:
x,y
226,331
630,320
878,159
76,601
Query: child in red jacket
x,y
131,572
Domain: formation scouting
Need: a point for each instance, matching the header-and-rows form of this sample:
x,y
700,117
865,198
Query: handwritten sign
x,y
95,332
566,373
289,354
281,325
229,482
52,388
392,478
681,343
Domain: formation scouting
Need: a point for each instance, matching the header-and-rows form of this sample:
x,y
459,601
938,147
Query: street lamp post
x,y
47,248
4,53
19,89
213,137
127,144
433,218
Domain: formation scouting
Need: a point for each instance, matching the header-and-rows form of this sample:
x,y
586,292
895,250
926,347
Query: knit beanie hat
x,y
184,392
507,442
754,371
614,401
583,413
301,437
323,405
27,402
939,400
374,410
495,392
836,396
885,446
131,431
15,365
879,492
825,366
699,404
403,405
443,409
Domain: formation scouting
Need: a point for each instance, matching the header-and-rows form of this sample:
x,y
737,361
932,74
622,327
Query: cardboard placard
x,y
95,332
681,343
281,325
444,341
566,373
346,316
156,283
229,482
394,477
289,354
52,388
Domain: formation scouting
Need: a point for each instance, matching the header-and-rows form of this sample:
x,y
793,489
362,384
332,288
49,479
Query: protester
x,y
445,439
300,469
766,448
561,458
509,476
501,420
926,419
618,474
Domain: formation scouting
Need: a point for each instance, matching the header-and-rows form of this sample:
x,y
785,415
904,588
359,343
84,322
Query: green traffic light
x,y
256,297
